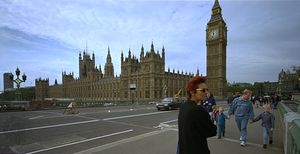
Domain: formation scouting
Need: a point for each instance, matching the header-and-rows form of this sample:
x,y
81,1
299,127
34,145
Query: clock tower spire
x,y
216,42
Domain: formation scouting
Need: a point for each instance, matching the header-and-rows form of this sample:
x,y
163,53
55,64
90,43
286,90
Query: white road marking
x,y
35,117
135,115
163,125
49,126
87,140
127,140
169,121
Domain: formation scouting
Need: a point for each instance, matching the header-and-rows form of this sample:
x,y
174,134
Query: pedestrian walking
x,y
214,113
71,109
210,102
267,122
243,110
230,99
194,123
220,119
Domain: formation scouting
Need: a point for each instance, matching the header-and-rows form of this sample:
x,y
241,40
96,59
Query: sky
x,y
44,38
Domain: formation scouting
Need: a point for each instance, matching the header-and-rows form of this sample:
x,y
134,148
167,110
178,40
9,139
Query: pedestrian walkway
x,y
164,141
231,144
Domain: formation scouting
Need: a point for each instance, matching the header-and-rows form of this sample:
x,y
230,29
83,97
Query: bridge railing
x,y
291,127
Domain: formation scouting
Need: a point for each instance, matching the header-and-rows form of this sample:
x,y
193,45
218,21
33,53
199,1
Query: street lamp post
x,y
18,81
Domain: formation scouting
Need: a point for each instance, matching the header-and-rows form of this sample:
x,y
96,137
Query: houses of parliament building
x,y
145,74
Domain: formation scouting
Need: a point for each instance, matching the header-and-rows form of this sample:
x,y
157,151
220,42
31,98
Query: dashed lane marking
x,y
82,141
135,115
36,117
124,141
49,126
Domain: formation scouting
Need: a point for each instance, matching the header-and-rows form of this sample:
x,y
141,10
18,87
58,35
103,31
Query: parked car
x,y
169,103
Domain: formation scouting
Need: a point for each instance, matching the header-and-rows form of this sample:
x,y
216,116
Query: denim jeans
x,y
242,123
267,135
221,130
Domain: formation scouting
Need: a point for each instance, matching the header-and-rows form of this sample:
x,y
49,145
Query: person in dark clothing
x,y
210,102
267,122
194,121
230,98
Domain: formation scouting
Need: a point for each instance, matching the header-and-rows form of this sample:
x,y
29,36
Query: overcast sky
x,y
44,38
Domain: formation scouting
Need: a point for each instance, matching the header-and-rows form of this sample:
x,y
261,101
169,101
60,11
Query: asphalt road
x,y
109,130
50,131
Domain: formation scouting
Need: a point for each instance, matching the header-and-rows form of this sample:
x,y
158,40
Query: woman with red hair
x,y
194,121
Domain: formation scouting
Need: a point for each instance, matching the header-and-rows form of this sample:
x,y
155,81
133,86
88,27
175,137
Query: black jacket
x,y
194,127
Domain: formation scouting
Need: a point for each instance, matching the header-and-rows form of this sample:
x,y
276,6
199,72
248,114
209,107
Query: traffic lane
x,y
91,111
98,142
45,118
162,142
52,137
150,121
116,113
138,127
81,146
33,136
14,123
7,117
47,132
117,108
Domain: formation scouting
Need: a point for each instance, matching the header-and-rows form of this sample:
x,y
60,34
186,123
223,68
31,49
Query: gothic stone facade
x,y
7,82
216,42
147,73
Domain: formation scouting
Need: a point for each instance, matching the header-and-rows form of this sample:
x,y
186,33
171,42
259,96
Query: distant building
x,y
241,84
7,82
266,88
147,73
42,89
289,82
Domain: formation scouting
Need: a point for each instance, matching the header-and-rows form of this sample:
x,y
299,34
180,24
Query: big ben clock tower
x,y
216,42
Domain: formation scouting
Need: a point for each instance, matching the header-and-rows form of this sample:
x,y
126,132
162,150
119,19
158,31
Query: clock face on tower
x,y
213,34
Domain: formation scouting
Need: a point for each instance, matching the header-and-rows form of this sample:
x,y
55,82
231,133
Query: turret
x,y
122,57
142,53
108,58
100,70
129,54
109,68
93,58
163,53
152,47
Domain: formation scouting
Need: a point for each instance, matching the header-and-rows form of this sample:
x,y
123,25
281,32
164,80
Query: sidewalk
x,y
231,143
165,141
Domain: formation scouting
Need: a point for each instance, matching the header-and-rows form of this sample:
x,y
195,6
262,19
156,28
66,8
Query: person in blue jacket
x,y
243,110
267,122
209,102
220,119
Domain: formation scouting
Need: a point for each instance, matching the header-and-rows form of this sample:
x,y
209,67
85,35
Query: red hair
x,y
193,85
